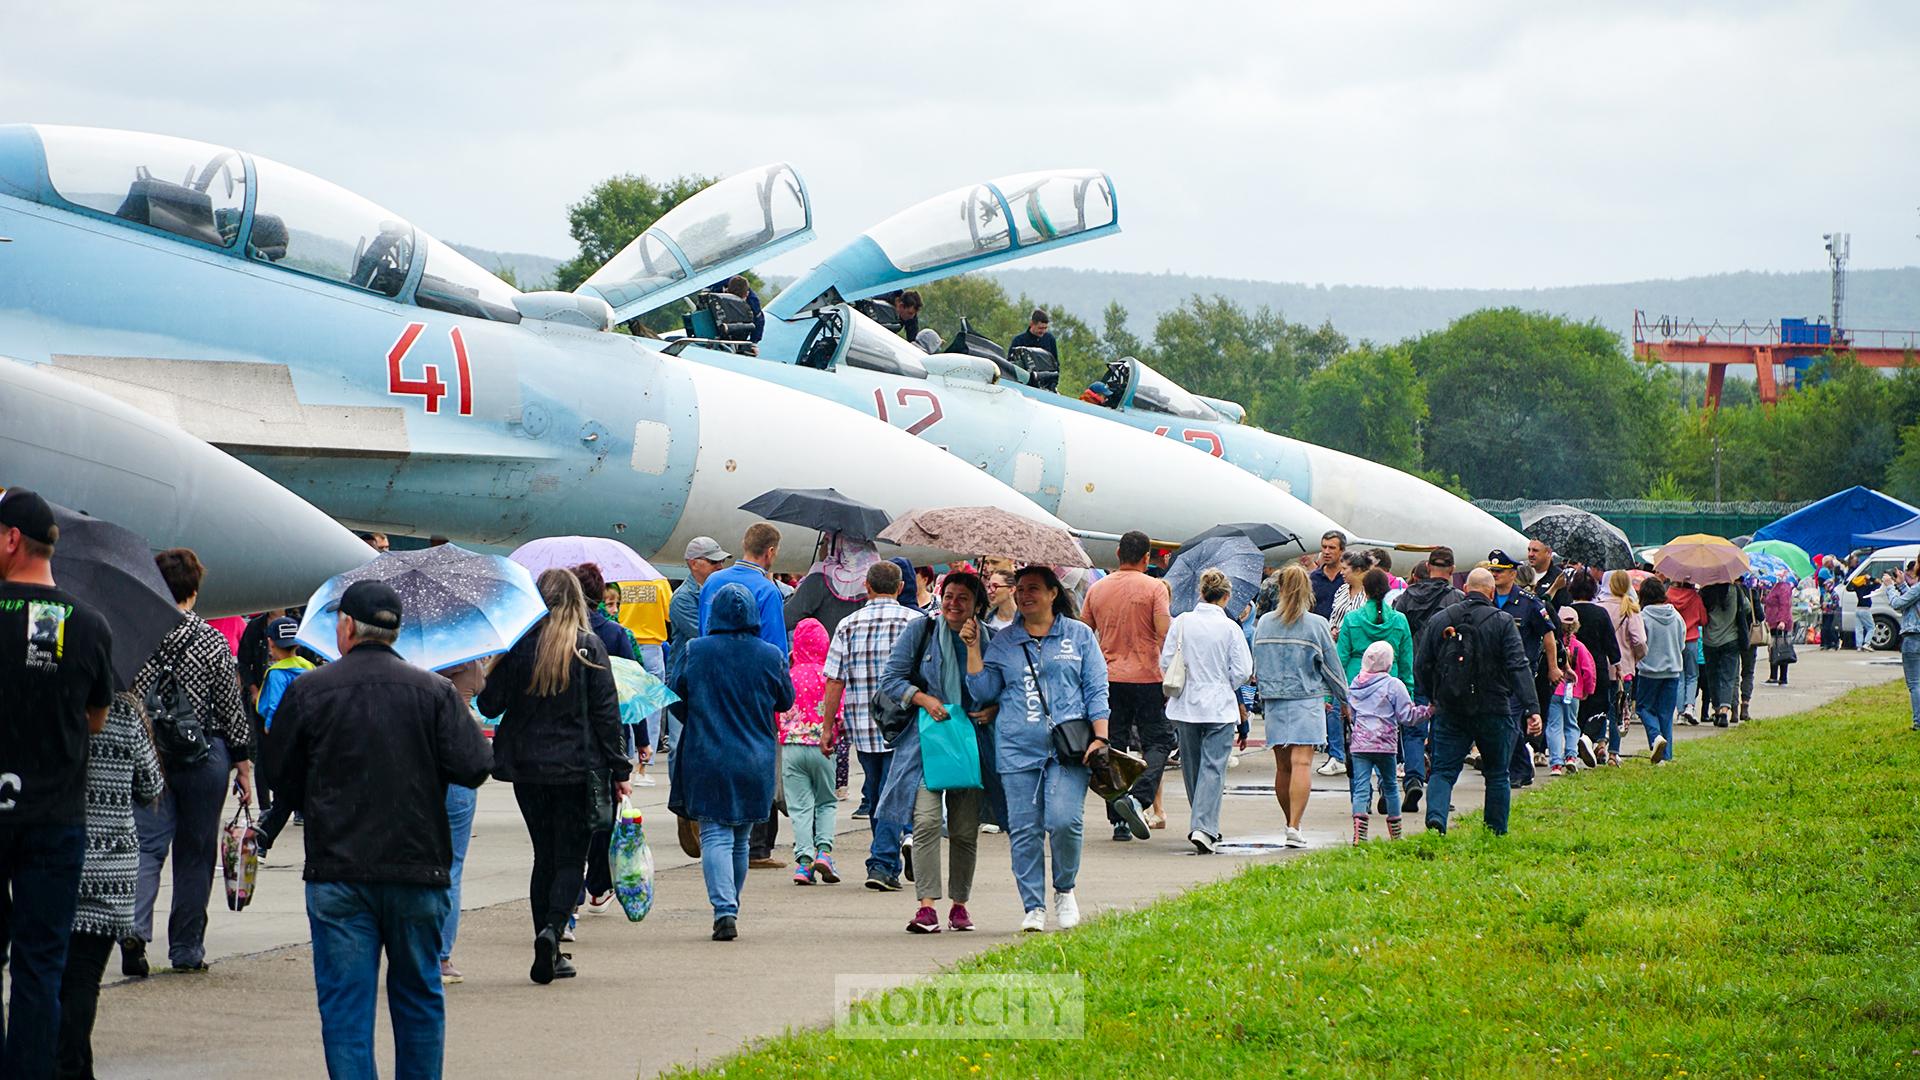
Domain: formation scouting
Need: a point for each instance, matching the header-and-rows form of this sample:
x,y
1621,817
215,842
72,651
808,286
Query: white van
x,y
1886,622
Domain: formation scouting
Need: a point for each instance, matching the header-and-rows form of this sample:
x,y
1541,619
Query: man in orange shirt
x,y
1128,612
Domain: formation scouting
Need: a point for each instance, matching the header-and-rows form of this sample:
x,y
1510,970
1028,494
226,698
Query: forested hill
x,y
1876,299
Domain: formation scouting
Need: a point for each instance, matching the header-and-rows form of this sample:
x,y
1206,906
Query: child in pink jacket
x,y
1381,707
806,759
1563,711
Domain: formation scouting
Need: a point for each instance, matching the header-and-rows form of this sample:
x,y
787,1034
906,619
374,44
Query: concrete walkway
x,y
659,994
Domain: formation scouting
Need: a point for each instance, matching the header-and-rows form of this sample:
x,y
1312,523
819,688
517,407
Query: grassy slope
x,y
1752,910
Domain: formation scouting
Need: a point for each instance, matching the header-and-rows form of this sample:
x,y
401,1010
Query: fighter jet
x,y
384,378
1102,478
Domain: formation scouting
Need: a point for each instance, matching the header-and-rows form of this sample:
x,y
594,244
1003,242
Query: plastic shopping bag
x,y
949,751
240,857
632,864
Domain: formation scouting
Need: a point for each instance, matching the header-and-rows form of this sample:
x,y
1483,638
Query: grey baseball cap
x,y
706,547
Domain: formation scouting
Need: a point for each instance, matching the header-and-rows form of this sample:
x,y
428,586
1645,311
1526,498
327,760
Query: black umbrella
x,y
821,509
1579,535
1260,535
110,569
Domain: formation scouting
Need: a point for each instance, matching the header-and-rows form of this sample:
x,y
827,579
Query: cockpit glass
x,y
643,266
190,189
875,348
737,216
453,282
1049,206
1155,392
950,228
303,223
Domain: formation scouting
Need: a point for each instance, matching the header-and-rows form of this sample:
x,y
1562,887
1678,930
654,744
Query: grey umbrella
x,y
1578,535
1234,556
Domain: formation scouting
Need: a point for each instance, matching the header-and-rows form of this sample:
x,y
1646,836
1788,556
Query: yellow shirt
x,y
643,610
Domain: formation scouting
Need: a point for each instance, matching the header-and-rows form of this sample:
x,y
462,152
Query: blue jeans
x,y
1910,666
1045,804
1336,732
352,924
1495,735
460,804
1361,771
883,855
1689,673
1563,729
1413,748
186,822
39,880
723,862
1656,698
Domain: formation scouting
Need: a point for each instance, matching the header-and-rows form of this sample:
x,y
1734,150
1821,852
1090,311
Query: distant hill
x,y
1876,299
531,271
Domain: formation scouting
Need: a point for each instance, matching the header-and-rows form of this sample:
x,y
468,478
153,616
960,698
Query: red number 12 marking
x,y
429,386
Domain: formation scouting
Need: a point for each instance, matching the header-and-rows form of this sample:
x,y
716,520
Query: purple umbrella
x,y
617,561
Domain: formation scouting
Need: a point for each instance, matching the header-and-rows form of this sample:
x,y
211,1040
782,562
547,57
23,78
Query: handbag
x,y
1070,738
599,779
893,717
949,752
1174,682
240,857
1114,773
177,731
1757,633
631,862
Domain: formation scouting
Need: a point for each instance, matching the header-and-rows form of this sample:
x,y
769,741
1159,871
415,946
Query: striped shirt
x,y
861,644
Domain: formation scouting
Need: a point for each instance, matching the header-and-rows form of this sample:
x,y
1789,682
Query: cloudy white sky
x,y
1455,144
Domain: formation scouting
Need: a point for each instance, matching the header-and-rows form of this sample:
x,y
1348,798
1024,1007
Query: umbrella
x,y
617,561
641,692
821,509
1769,569
1234,555
1702,559
110,569
986,530
1796,559
1261,536
456,605
1578,535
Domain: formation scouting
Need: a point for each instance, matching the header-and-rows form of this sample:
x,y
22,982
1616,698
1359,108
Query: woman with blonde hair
x,y
1295,666
560,745
1207,712
1623,607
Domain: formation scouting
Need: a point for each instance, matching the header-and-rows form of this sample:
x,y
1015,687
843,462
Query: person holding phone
x,y
1904,597
1047,674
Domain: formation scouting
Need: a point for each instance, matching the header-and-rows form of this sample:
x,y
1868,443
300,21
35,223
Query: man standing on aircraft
x,y
754,570
907,306
56,677
1036,335
1129,613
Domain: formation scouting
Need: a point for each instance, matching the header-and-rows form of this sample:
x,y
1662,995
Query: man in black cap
x,y
1536,620
56,679
366,747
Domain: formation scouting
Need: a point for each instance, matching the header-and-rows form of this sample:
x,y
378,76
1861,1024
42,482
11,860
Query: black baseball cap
x,y
371,602
1500,560
27,511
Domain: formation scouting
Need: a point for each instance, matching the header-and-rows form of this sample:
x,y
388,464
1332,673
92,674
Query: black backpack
x,y
1460,675
177,731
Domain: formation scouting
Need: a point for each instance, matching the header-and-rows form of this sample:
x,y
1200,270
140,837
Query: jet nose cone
x,y
756,436
263,546
1119,478
1383,503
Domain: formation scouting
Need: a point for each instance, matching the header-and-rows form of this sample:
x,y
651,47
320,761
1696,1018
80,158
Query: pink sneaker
x,y
958,920
925,921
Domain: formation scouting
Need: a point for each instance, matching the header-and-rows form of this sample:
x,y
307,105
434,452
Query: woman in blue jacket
x,y
1044,670
732,686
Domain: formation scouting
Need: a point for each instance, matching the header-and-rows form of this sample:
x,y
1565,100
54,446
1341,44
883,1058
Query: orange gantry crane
x,y
1791,344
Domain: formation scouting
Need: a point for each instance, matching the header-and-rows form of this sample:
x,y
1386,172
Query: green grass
x,y
1749,911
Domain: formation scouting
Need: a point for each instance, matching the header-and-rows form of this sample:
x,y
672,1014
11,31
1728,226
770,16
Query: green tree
x,y
618,209
1368,402
1116,340
1213,346
1529,405
1903,475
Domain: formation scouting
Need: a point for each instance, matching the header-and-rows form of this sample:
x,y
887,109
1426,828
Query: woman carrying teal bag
x,y
942,769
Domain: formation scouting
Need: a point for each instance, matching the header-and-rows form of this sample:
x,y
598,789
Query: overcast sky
x,y
1440,144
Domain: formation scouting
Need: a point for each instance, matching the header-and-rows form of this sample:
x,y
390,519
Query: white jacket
x,y
1218,662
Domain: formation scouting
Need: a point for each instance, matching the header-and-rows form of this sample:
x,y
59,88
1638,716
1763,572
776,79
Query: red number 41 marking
x,y
429,386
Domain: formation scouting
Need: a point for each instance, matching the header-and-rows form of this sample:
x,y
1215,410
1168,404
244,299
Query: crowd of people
x,y
981,699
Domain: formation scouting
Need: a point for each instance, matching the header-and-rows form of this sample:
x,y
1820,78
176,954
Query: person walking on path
x,y
1725,636
1905,599
1207,713
1630,630
1046,672
928,668
122,769
731,688
704,556
807,733
1296,670
1327,581
1128,611
1656,679
754,572
856,663
559,744
1532,617
1777,608
1595,628
468,680
1482,680
1374,621
193,668
365,748
56,678
1578,679
1424,598
1382,705
1829,591
1693,614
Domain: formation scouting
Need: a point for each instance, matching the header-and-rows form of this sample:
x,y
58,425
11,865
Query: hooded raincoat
x,y
731,688
801,725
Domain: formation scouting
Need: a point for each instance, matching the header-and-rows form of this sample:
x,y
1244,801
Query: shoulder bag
x,y
1070,738
1174,682
177,731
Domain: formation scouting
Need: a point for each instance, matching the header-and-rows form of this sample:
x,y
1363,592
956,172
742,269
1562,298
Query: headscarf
x,y
845,567
1378,658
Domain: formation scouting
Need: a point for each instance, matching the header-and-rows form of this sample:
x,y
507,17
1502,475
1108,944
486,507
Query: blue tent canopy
x,y
1907,532
1828,527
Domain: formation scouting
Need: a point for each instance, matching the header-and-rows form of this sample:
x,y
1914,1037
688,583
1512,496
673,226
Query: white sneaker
x,y
1066,910
1294,839
1331,767
1659,750
1035,922
598,905
644,781
1201,842
1588,756
989,829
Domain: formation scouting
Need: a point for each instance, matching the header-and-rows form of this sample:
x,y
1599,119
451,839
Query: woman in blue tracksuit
x,y
1044,670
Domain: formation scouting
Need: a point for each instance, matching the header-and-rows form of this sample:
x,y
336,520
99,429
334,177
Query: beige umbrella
x,y
987,530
